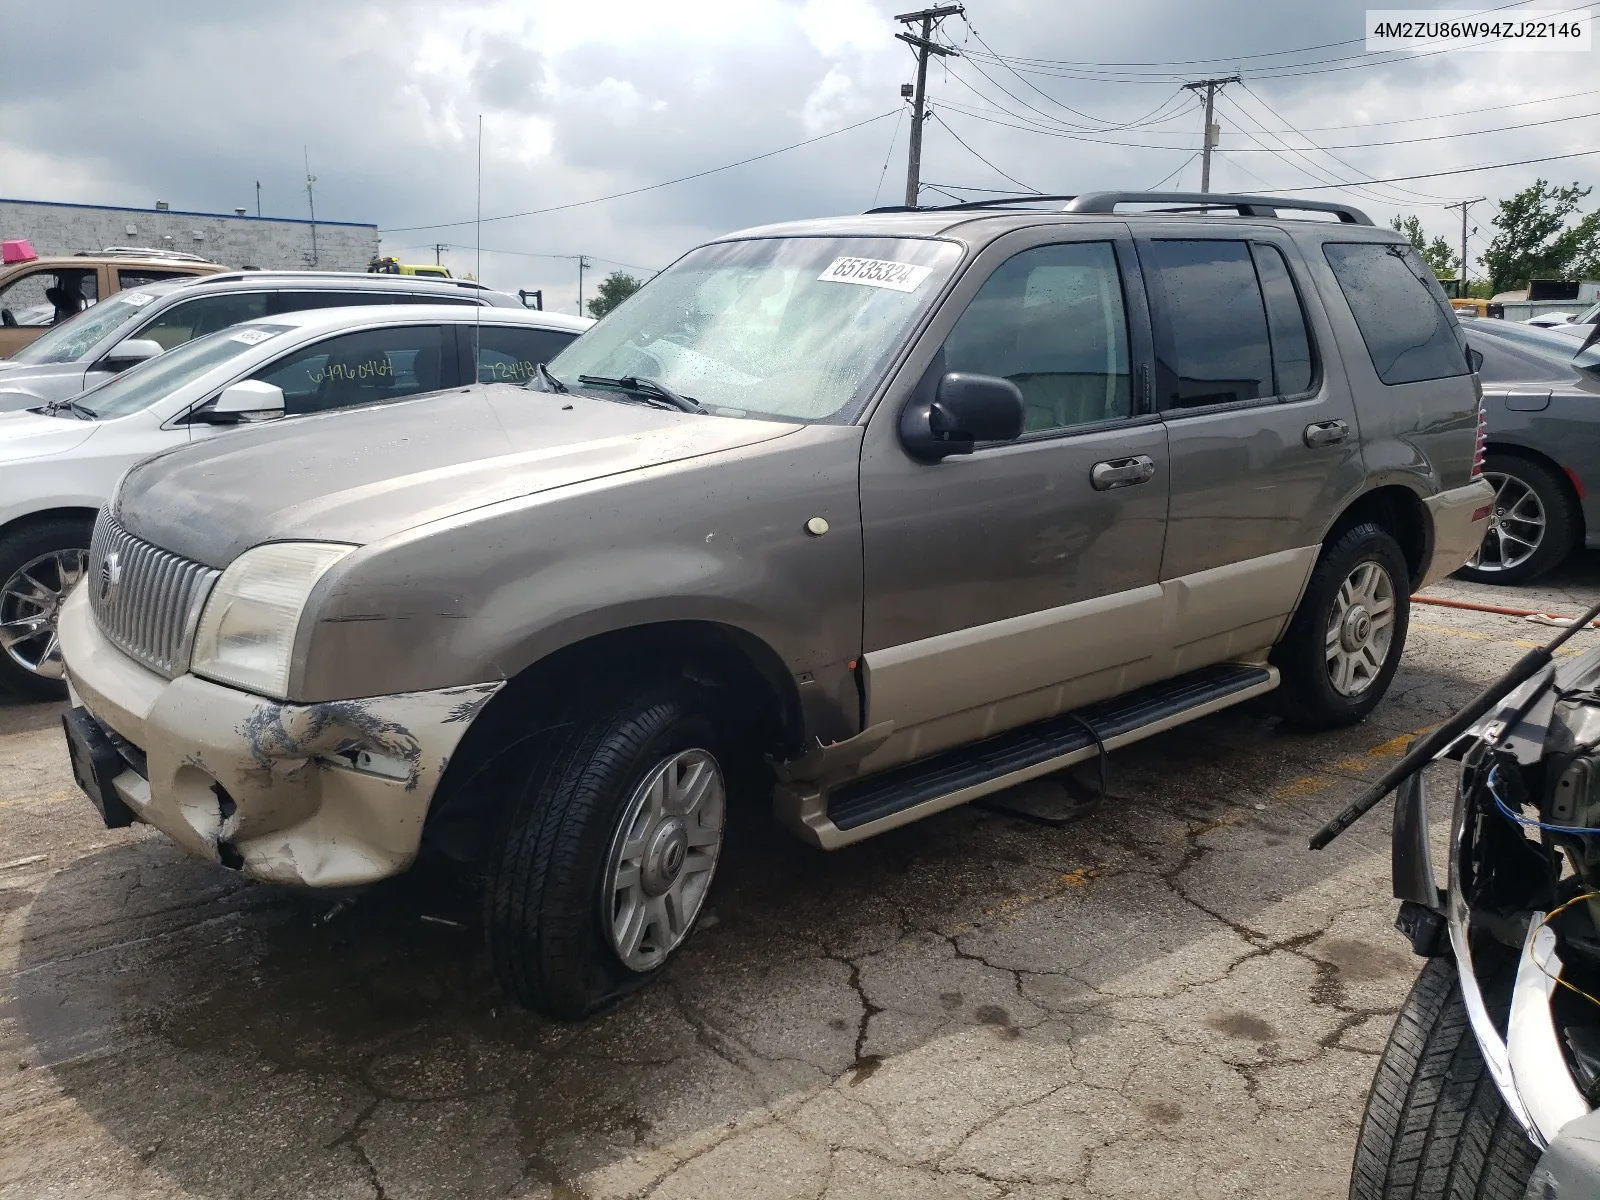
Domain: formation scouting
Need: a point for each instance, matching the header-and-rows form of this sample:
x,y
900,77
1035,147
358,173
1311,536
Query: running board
x,y
875,804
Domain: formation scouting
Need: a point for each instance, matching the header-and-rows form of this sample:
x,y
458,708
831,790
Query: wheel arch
x,y
1400,512
746,678
75,512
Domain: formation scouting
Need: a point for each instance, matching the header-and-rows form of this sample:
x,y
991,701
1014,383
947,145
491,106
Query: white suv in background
x,y
60,461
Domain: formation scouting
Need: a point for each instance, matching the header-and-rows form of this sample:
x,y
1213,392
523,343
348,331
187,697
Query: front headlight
x,y
247,630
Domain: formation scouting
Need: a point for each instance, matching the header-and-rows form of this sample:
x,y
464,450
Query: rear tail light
x,y
1479,449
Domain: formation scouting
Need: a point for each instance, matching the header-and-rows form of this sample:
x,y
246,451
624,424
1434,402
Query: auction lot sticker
x,y
876,272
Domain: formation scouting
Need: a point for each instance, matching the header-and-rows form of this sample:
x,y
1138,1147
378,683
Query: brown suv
x,y
861,518
37,293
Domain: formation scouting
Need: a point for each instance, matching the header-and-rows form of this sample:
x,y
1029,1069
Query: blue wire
x,y
1522,820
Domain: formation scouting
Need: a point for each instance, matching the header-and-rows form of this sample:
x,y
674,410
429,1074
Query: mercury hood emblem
x,y
110,576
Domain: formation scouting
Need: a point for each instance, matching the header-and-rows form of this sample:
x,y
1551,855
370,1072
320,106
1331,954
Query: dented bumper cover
x,y
321,795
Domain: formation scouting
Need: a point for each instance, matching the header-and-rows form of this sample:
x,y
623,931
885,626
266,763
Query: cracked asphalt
x,y
1169,997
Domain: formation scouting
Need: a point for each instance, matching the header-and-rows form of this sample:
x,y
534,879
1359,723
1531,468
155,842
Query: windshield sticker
x,y
252,337
137,299
876,272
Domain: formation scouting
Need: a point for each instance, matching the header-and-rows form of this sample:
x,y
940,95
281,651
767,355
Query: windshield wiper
x,y
649,389
551,383
81,411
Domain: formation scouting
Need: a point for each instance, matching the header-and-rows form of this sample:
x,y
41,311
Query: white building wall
x,y
267,242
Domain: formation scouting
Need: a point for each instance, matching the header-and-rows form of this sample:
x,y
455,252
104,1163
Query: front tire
x,y
604,861
1343,644
1435,1127
39,565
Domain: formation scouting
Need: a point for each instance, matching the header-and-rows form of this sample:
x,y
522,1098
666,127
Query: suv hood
x,y
30,435
369,473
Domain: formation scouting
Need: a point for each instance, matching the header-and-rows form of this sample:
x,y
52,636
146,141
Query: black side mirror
x,y
965,409
1474,359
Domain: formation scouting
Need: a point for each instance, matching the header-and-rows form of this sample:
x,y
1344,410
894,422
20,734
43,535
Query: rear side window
x,y
1401,310
363,367
140,276
289,302
1291,340
1212,345
508,354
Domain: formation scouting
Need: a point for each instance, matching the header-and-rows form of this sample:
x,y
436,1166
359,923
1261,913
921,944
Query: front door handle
x,y
1326,433
1122,472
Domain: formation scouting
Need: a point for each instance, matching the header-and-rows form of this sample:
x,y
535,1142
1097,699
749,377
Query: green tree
x,y
1536,240
614,289
1437,253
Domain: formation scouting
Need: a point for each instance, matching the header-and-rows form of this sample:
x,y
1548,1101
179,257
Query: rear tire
x,y
1435,1127
1531,502
632,791
36,573
1344,642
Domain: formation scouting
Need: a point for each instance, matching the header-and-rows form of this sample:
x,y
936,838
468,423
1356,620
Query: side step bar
x,y
861,808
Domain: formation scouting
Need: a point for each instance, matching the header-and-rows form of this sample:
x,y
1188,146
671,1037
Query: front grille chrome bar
x,y
146,600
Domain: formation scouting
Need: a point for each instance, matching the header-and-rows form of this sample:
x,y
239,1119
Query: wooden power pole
x,y
1461,279
924,46
1213,130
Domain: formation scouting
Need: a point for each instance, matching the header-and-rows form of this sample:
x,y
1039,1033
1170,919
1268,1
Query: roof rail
x,y
377,279
1246,206
143,252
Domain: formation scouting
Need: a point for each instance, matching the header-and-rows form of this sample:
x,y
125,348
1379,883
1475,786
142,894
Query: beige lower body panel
x,y
1457,529
803,807
304,814
967,685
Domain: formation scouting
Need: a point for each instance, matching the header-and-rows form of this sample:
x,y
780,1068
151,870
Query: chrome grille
x,y
145,600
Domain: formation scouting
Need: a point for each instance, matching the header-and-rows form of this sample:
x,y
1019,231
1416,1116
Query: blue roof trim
x,y
179,212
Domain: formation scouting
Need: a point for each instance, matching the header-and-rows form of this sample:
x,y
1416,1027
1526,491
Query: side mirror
x,y
965,409
133,351
247,400
1474,359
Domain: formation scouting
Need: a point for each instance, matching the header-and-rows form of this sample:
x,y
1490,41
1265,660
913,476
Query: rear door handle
x,y
1122,472
1326,433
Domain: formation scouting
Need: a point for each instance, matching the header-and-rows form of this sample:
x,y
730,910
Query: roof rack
x,y
143,252
1193,202
381,279
1246,206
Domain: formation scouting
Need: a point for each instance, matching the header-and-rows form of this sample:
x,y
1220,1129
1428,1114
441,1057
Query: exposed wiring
x,y
1494,794
1550,916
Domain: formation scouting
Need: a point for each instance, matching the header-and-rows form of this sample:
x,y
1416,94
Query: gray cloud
x,y
194,102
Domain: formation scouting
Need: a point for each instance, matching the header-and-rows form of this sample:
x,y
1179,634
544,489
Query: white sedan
x,y
59,462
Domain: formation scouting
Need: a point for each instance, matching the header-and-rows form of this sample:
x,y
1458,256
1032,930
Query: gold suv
x,y
36,293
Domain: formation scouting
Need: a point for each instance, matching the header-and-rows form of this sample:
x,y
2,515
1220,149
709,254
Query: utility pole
x,y
438,249
583,261
1213,130
311,201
924,46
258,197
1461,279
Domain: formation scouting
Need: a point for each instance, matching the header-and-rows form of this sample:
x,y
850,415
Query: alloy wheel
x,y
1360,629
662,858
30,606
1516,525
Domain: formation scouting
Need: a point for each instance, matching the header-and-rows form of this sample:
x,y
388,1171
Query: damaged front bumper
x,y
320,795
1524,1055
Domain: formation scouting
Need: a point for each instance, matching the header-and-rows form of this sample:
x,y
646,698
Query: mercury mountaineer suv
x,y
870,516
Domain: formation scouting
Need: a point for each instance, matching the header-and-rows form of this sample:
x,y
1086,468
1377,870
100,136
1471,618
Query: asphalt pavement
x,y
1170,997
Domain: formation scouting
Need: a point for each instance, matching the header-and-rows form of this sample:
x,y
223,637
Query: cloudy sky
x,y
193,102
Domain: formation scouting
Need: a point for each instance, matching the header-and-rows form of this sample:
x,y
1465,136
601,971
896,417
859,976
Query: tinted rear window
x,y
1401,310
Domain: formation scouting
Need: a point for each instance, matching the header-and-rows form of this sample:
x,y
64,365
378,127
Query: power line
x,y
887,155
1522,162
940,118
1156,187
649,187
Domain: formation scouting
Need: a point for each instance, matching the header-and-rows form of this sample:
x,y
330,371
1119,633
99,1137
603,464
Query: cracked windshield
x,y
789,328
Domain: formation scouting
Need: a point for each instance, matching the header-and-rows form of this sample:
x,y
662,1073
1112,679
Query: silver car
x,y
860,518
139,323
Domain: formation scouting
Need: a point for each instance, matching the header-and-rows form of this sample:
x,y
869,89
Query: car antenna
x,y
477,328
